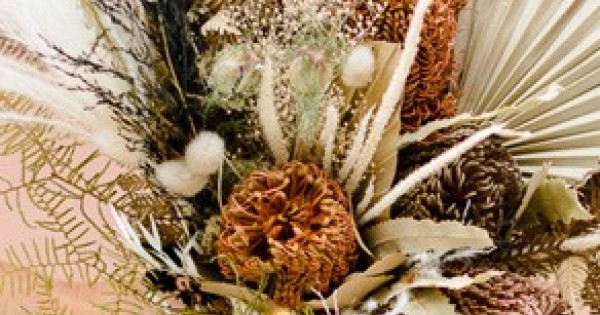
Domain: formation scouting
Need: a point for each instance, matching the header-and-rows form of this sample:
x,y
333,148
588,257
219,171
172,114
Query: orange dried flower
x,y
430,93
291,223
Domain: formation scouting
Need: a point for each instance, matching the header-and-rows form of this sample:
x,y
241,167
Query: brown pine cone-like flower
x,y
590,194
430,92
290,223
509,294
483,187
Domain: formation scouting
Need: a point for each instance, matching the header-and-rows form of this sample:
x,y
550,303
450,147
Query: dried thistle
x,y
291,223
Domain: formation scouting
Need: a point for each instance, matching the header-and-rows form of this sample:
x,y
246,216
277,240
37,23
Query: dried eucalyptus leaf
x,y
428,302
413,236
358,285
556,201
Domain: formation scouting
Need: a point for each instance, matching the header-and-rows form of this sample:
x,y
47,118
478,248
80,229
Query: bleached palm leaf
x,y
541,57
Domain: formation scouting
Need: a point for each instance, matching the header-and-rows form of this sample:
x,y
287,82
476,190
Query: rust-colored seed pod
x,y
430,92
289,224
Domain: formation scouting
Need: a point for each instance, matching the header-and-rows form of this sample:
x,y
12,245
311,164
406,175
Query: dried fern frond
x,y
65,183
46,301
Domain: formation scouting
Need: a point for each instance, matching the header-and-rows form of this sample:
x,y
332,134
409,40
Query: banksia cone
x,y
509,294
289,224
590,194
429,93
483,187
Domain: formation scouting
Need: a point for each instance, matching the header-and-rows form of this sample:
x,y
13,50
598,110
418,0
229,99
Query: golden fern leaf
x,y
47,303
69,185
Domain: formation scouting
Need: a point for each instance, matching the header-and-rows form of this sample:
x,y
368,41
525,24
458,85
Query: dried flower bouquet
x,y
305,156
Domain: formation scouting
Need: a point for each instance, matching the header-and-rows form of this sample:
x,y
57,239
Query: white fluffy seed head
x,y
176,177
205,153
359,67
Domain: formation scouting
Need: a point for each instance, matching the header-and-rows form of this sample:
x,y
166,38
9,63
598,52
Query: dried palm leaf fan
x,y
537,64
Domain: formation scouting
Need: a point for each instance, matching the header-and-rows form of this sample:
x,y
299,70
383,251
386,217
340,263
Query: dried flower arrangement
x,y
305,156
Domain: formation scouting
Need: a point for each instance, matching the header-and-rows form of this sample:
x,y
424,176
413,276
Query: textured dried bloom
x,y
430,92
590,194
510,294
483,187
291,223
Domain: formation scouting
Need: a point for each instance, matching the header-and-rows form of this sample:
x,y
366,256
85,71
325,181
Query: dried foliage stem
x,y
267,114
392,95
163,34
425,171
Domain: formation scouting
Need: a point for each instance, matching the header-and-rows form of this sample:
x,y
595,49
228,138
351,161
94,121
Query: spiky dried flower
x,y
430,92
483,187
510,294
290,222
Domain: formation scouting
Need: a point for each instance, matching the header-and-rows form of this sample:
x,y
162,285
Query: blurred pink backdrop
x,y
13,232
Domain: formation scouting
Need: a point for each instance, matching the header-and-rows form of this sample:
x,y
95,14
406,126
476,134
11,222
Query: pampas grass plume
x,y
205,153
176,177
113,145
359,67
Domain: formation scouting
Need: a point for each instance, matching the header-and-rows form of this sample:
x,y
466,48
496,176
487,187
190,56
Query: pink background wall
x,y
13,232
